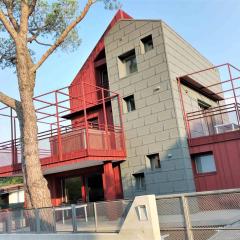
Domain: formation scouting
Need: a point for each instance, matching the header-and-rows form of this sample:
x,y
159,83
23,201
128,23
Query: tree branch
x,y
41,43
63,36
34,38
8,25
32,7
9,7
24,18
8,101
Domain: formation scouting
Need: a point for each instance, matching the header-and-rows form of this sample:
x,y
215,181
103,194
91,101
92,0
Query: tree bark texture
x,y
37,192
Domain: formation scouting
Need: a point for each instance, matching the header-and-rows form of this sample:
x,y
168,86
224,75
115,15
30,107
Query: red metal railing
x,y
220,87
212,121
61,137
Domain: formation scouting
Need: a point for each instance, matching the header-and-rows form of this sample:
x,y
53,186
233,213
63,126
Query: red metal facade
x,y
226,150
96,59
217,127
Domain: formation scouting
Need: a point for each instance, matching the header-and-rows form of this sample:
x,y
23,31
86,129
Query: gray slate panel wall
x,y
152,127
183,59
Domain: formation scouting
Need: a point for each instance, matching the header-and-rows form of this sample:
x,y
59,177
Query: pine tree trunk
x,y
36,189
36,186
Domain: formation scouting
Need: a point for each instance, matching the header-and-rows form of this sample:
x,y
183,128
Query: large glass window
x,y
205,163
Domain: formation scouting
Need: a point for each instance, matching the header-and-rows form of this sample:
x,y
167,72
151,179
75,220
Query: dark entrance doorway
x,y
73,193
95,188
102,76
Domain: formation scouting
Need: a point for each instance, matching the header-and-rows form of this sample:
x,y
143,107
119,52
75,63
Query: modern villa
x,y
146,114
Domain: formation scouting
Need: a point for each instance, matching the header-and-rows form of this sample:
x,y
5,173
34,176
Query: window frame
x,y
142,185
202,172
203,105
130,105
91,123
124,63
145,44
155,161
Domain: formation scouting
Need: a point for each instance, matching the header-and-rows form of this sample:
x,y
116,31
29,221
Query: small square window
x,y
154,161
127,64
139,181
146,44
129,104
205,163
93,122
203,105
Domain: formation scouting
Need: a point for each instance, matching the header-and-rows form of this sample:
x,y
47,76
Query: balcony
x,y
210,101
67,137
212,121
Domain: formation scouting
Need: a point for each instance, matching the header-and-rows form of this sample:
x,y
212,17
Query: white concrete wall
x,y
16,197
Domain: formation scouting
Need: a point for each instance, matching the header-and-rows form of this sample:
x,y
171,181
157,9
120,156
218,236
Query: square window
x,y
129,104
205,163
127,64
139,181
154,161
93,122
146,44
203,105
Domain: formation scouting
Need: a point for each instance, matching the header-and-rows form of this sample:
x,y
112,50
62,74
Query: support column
x,y
118,181
83,189
54,190
108,181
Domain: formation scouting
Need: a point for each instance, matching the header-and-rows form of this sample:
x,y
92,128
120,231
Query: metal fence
x,y
92,217
200,216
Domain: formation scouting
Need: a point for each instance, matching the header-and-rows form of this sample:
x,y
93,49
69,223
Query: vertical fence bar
x,y
234,93
54,219
9,222
74,219
12,141
37,219
123,145
58,129
107,142
95,216
85,118
187,217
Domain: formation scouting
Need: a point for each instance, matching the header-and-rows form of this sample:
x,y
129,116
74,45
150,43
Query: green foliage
x,y
49,20
112,4
10,181
46,23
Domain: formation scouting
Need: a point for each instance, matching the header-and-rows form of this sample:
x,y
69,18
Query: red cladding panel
x,y
226,150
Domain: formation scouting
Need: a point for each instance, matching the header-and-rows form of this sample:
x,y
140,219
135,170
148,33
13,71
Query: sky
x,y
211,26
